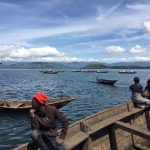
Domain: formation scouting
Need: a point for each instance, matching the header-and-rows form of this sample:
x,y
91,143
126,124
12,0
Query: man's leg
x,y
37,138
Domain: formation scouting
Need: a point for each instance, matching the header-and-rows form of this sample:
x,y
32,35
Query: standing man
x,y
43,124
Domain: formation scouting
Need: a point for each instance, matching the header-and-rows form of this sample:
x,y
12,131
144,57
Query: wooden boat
x,y
104,81
88,71
122,127
98,71
50,71
25,105
127,72
76,71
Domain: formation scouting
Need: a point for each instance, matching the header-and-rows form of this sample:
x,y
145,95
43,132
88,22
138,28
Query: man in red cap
x,y
43,124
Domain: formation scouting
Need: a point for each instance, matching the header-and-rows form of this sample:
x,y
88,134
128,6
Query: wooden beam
x,y
140,147
133,129
112,138
105,123
147,120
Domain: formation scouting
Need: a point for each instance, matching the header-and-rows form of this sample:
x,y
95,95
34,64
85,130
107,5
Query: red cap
x,y
40,97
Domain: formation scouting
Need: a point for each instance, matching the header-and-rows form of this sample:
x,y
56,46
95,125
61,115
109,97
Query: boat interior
x,y
15,103
122,127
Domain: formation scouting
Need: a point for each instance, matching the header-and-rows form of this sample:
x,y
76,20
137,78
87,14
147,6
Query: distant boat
x,y
1,62
127,72
25,105
76,70
50,71
89,71
103,71
105,81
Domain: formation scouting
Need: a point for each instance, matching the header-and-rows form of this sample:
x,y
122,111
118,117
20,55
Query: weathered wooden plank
x,y
75,140
111,120
140,147
22,147
147,120
133,129
112,138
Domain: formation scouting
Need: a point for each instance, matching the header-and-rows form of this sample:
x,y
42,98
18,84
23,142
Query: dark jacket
x,y
45,121
136,88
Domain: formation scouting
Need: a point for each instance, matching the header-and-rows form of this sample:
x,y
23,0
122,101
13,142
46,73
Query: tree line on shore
x,y
51,65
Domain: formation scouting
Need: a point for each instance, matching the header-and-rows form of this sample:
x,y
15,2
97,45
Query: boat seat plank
x,y
140,147
75,140
107,122
133,129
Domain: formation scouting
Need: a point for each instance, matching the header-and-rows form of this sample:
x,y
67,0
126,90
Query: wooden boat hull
x,y
46,72
127,72
58,103
108,82
108,130
50,72
101,71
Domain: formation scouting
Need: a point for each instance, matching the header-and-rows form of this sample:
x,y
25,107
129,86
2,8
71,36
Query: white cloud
x,y
126,59
115,49
137,6
13,51
51,54
147,25
137,49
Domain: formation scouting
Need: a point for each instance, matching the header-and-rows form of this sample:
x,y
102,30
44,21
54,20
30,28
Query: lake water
x,y
91,97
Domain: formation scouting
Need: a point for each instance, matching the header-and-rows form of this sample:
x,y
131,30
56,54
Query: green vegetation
x,y
53,65
95,66
101,66
34,65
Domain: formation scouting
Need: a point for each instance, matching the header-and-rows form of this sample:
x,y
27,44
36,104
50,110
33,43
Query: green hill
x,y
34,65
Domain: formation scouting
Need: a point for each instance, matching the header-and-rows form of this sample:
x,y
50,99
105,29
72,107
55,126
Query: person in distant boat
x,y
43,124
147,90
137,91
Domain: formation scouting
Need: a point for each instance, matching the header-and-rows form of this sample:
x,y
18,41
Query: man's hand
x,y
32,112
59,140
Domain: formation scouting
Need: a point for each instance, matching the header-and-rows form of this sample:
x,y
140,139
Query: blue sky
x,y
75,30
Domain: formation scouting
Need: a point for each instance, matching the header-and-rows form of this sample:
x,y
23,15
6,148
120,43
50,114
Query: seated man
x,y
137,91
43,124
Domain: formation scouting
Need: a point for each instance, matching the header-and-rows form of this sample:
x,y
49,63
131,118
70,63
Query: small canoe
x,y
127,72
76,71
50,72
104,81
88,71
98,71
25,105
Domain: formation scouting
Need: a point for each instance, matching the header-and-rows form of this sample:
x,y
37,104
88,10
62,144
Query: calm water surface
x,y
90,96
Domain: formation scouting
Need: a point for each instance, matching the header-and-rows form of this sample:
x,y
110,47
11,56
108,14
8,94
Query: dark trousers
x,y
46,142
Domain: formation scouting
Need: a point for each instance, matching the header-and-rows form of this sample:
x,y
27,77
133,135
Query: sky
x,y
75,30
